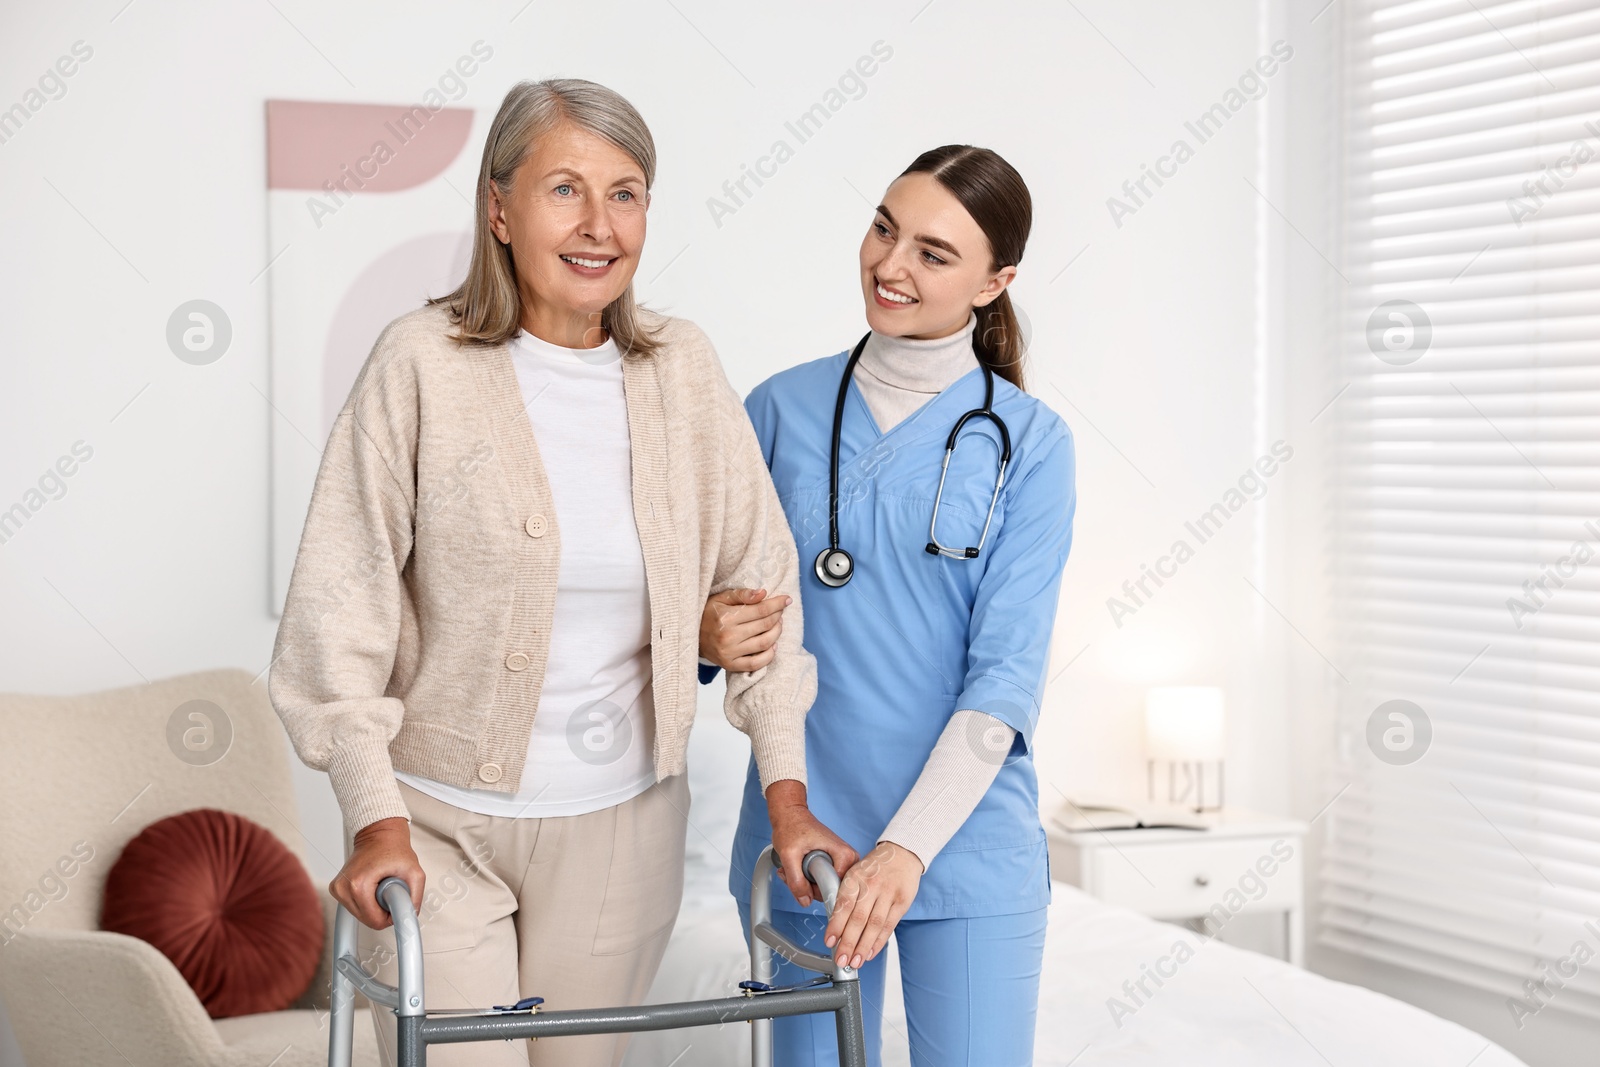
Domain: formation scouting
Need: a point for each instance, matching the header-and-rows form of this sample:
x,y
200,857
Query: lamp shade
x,y
1184,723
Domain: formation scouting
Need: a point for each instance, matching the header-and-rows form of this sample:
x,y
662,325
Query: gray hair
x,y
487,307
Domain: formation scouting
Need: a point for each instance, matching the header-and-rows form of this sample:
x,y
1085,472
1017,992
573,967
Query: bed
x,y
1224,1006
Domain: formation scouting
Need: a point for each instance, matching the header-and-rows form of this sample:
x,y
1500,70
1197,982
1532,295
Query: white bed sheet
x,y
1223,1006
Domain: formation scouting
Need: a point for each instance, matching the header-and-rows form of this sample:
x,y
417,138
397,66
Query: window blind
x,y
1466,496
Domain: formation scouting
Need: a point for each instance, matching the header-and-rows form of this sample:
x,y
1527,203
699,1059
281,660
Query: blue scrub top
x,y
913,637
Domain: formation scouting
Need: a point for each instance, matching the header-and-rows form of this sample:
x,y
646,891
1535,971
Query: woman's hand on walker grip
x,y
872,899
796,832
380,849
739,628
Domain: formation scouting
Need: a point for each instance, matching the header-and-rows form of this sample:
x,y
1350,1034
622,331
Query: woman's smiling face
x,y
925,262
575,221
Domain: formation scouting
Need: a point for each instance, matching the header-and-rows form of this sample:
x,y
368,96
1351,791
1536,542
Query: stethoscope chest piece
x,y
834,567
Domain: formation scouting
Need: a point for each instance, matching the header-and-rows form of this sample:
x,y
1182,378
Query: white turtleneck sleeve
x,y
897,376
960,769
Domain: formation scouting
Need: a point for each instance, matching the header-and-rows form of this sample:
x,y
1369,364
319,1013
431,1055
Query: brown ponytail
x,y
996,197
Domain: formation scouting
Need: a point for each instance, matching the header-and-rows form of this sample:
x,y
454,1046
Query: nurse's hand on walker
x,y
872,899
739,628
380,849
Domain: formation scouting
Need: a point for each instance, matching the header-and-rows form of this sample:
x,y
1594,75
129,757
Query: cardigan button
x,y
517,661
535,526
489,772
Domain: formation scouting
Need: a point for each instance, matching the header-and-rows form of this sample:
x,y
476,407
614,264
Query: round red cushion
x,y
226,902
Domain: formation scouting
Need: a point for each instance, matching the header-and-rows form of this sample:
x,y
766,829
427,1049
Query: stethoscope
x,y
834,566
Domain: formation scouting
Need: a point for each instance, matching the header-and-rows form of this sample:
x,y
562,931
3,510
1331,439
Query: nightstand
x,y
1243,862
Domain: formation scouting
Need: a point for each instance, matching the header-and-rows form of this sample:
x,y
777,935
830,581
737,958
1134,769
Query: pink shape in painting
x,y
375,148
396,281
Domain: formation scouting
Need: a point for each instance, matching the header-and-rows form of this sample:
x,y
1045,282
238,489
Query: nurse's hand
x,y
872,897
739,628
796,832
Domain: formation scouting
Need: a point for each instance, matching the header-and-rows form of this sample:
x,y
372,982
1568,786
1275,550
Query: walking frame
x,y
837,989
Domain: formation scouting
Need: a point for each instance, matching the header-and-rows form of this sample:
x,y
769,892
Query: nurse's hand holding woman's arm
x,y
739,628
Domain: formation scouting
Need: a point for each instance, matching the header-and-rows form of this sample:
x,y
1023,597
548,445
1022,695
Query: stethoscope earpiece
x,y
834,567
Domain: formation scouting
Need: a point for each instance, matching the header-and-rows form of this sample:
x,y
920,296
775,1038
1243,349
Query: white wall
x,y
142,187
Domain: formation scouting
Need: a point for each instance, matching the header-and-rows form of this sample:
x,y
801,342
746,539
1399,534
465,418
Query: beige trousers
x,y
576,909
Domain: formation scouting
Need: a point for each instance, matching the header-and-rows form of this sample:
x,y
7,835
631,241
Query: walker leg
x,y
410,1011
341,1000
761,965
851,1031
411,1050
847,1019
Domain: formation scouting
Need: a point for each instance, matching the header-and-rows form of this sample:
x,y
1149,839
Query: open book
x,y
1078,816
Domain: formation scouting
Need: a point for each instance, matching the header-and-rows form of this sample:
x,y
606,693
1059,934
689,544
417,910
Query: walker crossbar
x,y
415,1031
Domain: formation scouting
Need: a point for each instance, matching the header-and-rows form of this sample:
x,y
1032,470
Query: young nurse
x,y
931,644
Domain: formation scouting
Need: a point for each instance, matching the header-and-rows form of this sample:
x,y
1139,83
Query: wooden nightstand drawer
x,y
1173,880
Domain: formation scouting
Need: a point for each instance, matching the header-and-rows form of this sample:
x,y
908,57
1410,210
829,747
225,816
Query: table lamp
x,y
1185,728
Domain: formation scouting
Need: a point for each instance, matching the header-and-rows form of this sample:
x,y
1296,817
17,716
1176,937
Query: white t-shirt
x,y
593,738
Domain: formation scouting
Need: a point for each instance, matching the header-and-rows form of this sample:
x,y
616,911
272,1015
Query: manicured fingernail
x,y
857,963
829,940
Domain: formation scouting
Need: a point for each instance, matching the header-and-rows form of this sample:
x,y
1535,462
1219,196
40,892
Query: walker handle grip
x,y
818,870
388,900
818,866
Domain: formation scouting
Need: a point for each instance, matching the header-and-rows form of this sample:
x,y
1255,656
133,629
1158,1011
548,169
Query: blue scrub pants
x,y
971,991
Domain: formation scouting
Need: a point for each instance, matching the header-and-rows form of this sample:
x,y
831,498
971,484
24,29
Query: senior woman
x,y
491,632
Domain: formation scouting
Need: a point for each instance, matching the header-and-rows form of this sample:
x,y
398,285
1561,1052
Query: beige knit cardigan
x,y
417,624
